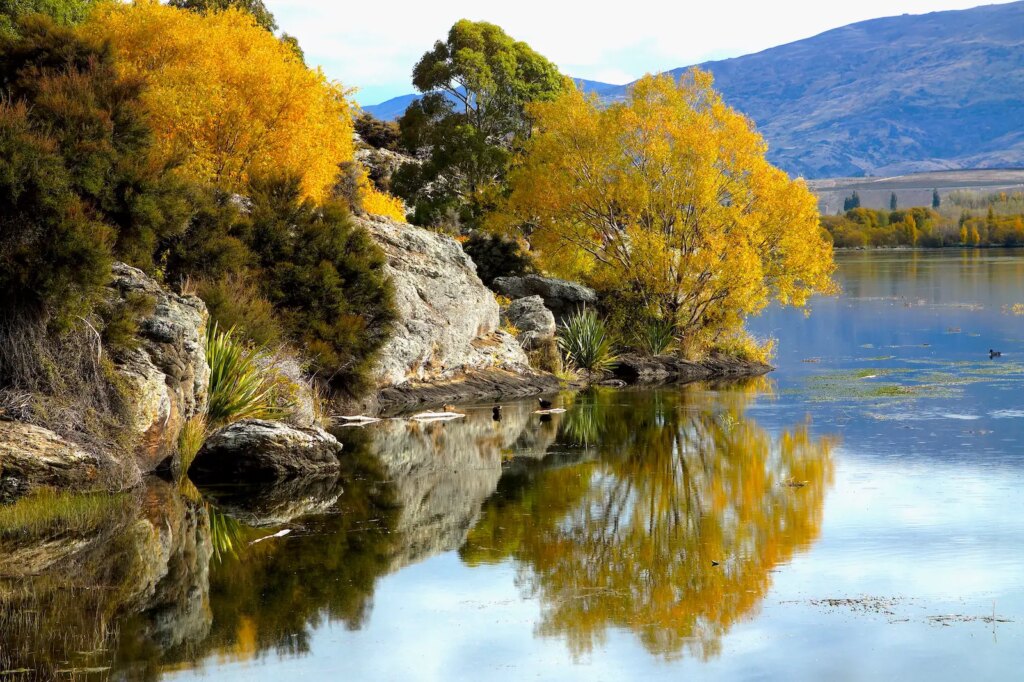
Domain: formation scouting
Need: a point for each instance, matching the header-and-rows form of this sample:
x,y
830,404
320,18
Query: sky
x,y
373,45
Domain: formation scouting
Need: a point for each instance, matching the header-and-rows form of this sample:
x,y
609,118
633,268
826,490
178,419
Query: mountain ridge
x,y
886,96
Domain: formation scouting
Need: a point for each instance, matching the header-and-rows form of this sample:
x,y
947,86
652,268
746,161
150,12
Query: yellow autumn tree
x,y
667,203
228,98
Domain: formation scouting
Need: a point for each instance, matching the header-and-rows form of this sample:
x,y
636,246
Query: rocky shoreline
x,y
452,343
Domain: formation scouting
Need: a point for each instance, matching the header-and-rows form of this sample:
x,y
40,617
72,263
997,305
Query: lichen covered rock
x,y
561,297
447,319
167,372
32,457
259,450
534,322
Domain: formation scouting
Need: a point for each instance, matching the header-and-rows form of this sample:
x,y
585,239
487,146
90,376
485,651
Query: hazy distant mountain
x,y
396,106
911,93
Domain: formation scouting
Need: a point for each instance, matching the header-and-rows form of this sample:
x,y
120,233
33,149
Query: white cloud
x,y
373,45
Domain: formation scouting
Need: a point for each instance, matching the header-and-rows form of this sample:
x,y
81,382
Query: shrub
x,y
78,184
377,133
235,302
190,440
325,277
239,386
586,342
656,336
496,256
742,346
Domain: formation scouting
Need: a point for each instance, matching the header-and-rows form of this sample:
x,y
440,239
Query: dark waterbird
x,y
994,353
544,404
496,413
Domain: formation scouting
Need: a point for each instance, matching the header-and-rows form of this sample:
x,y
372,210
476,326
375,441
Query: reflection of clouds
x,y
932,531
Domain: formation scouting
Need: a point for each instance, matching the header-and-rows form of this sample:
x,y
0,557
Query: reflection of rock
x,y
144,552
561,297
636,369
168,373
31,456
447,319
279,503
443,472
259,450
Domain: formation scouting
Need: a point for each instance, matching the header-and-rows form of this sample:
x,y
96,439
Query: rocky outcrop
x,y
259,450
447,319
32,457
167,372
534,322
637,369
561,297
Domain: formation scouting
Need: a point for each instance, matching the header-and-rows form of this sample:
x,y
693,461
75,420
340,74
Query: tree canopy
x,y
63,12
666,201
256,8
477,84
227,97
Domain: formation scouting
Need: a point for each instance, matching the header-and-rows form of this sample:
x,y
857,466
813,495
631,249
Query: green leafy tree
x,y
256,8
893,203
63,12
936,199
476,85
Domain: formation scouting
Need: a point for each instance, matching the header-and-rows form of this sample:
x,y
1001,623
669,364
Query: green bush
x,y
496,256
77,183
235,302
325,276
586,342
377,133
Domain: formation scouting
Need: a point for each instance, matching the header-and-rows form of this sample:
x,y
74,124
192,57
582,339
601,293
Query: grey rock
x,y
259,450
561,297
167,372
447,319
32,457
529,315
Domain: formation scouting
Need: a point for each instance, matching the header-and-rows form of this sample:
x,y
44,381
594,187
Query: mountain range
x,y
887,96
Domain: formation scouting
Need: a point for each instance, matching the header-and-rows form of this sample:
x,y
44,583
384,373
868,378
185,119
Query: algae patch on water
x,y
876,384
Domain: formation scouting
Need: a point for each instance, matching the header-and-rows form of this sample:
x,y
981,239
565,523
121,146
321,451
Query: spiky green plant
x,y
656,336
586,342
239,387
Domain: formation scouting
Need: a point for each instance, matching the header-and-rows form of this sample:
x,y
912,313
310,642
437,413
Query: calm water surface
x,y
855,516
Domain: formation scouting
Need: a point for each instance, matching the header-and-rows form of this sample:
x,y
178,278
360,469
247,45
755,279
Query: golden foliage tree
x,y
666,201
228,97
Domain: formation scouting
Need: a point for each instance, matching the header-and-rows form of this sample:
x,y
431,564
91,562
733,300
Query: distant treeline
x,y
921,226
982,220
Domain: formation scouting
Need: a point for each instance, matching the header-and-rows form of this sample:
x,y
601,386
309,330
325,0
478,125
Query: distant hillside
x,y
885,97
913,190
396,106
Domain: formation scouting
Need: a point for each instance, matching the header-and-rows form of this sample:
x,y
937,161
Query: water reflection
x,y
671,530
614,513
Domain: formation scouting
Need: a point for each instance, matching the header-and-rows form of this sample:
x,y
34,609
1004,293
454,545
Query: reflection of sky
x,y
925,508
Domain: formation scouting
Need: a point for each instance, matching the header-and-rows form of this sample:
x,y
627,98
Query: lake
x,y
855,515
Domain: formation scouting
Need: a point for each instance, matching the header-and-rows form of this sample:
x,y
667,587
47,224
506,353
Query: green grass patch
x,y
52,512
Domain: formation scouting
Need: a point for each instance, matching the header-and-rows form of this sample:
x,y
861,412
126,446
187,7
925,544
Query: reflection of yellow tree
x,y
628,540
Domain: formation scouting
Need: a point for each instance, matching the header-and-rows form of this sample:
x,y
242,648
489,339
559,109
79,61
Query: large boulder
x,y
535,324
32,457
447,319
561,297
167,372
259,450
